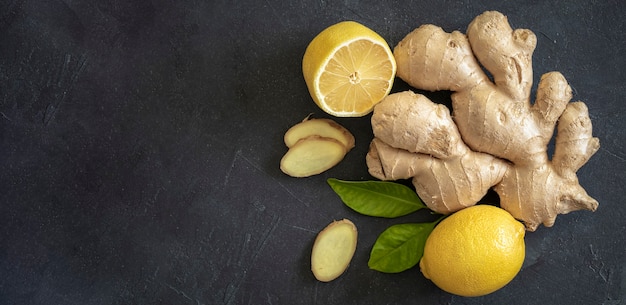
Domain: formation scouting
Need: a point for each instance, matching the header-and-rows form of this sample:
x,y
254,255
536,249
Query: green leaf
x,y
377,198
400,247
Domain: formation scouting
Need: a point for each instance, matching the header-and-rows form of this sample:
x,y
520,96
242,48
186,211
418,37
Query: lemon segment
x,y
348,68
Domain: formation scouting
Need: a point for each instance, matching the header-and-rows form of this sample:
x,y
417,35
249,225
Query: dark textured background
x,y
140,142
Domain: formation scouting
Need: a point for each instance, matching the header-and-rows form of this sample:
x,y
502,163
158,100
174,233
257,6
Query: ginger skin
x,y
497,118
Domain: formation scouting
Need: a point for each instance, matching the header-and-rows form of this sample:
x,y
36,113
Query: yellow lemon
x,y
348,68
475,251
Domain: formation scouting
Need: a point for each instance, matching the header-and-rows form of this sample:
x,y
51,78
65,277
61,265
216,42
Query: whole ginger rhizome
x,y
497,139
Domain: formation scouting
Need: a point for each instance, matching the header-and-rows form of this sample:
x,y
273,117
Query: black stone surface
x,y
140,142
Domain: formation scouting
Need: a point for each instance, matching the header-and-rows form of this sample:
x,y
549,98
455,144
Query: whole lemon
x,y
474,251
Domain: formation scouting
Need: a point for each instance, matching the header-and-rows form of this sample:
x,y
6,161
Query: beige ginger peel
x,y
504,137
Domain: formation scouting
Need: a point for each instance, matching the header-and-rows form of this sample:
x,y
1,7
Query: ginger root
x,y
504,137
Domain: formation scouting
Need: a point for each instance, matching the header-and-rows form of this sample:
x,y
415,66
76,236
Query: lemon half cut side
x,y
348,69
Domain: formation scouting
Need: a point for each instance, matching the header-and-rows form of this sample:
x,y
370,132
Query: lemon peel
x,y
475,251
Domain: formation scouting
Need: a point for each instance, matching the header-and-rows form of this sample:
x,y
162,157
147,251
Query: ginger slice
x,y
320,127
333,250
311,156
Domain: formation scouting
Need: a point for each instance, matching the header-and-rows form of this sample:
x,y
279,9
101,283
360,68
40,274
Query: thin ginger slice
x,y
320,127
311,156
333,250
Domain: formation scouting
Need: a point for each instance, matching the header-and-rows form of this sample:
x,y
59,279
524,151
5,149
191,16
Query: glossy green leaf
x,y
400,247
377,198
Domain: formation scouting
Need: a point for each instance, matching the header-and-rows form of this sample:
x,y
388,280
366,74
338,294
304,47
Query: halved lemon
x,y
348,69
